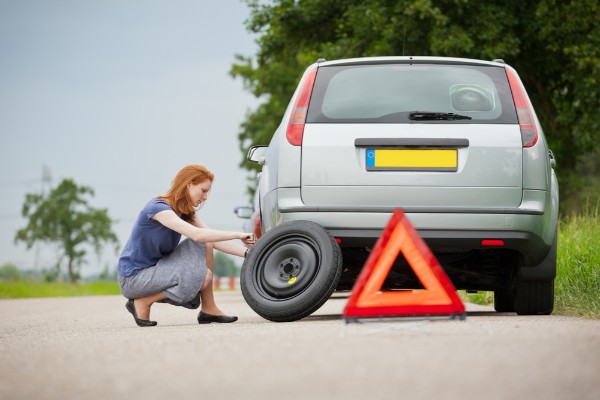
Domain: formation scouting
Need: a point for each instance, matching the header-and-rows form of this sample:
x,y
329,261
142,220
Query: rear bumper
x,y
528,229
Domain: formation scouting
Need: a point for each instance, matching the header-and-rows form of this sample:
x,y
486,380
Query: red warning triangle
x,y
439,296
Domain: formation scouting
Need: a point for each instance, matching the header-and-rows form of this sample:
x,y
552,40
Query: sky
x,y
119,95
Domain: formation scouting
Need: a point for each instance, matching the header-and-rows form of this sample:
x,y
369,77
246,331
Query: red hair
x,y
178,196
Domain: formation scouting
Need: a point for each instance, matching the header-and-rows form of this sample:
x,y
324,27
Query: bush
x,y
10,272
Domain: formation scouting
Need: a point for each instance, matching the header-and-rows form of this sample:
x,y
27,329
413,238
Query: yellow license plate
x,y
412,160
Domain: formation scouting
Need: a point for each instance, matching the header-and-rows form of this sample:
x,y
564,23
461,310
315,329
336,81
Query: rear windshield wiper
x,y
435,116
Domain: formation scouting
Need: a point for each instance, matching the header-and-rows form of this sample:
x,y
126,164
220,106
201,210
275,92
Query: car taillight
x,y
492,243
257,227
295,128
529,134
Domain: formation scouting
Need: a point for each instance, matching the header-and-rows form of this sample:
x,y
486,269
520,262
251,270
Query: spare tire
x,y
291,271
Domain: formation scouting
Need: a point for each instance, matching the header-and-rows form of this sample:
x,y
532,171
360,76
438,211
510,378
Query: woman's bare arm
x,y
169,219
229,246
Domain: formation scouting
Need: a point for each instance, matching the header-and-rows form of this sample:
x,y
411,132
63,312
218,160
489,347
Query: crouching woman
x,y
156,267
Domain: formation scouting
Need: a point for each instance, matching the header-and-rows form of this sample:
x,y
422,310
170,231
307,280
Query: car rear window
x,y
387,93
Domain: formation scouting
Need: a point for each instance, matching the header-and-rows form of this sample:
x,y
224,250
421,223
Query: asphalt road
x,y
90,348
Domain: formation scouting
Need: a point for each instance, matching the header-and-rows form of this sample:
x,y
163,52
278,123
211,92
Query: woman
x,y
155,267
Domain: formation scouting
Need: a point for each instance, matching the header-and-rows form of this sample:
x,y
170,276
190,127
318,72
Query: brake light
x,y
529,133
257,226
295,129
492,243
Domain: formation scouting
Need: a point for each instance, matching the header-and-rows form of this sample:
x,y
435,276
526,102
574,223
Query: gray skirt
x,y
179,275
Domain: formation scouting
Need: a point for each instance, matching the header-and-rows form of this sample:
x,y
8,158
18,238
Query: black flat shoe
x,y
204,318
141,322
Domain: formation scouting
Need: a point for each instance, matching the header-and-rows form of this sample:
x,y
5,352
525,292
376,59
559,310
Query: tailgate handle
x,y
411,142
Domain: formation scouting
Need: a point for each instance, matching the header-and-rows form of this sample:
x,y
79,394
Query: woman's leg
x,y
206,292
143,304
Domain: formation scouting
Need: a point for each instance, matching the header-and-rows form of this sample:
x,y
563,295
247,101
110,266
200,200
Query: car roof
x,y
410,59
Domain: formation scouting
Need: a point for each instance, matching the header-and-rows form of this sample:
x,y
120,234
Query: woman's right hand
x,y
249,239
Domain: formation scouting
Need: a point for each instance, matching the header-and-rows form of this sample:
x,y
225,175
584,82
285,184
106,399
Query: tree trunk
x,y
71,272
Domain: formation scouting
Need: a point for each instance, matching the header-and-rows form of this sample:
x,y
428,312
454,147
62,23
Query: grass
x,y
28,288
483,298
577,284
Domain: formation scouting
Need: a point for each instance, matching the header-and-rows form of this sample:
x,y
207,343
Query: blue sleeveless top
x,y
149,241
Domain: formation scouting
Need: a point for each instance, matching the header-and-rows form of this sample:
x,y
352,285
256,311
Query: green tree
x,y
10,272
224,266
65,218
554,44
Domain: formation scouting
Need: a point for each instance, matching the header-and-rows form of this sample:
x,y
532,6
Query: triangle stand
x,y
439,296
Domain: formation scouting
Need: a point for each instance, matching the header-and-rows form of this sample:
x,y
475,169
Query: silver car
x,y
453,142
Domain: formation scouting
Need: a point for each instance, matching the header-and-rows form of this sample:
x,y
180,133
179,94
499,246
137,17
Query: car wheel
x,y
504,301
536,296
291,271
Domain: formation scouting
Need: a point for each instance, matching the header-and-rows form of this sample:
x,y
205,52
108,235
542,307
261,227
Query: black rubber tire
x,y
291,271
504,301
534,297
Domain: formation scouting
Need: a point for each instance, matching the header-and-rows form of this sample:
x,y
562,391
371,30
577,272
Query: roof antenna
x,y
403,40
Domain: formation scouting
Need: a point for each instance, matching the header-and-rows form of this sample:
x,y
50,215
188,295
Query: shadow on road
x,y
326,317
490,313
